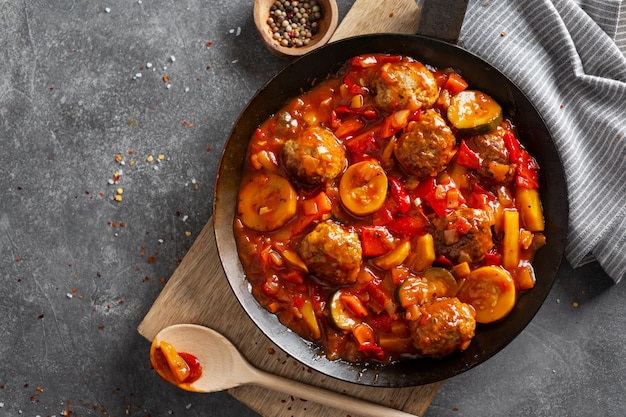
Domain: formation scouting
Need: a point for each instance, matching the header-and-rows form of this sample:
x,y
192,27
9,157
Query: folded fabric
x,y
565,55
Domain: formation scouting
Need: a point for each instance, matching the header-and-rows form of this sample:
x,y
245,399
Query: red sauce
x,y
368,314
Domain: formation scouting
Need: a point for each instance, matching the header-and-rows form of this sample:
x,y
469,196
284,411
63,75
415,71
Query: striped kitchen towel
x,y
570,58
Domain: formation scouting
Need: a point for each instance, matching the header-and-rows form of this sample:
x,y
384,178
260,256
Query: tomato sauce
x,y
462,229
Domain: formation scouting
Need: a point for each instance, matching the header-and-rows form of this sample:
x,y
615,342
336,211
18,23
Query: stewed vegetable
x,y
389,212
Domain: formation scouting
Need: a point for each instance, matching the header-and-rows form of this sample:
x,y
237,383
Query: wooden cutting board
x,y
198,291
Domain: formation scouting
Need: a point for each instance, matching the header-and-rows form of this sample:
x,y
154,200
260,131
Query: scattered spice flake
x,y
503,33
150,158
391,14
209,148
151,260
118,158
18,259
166,79
208,44
187,233
575,304
161,157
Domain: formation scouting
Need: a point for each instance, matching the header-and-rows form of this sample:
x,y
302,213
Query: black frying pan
x,y
304,73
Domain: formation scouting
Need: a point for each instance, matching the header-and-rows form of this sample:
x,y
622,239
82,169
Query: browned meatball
x,y
445,325
495,156
333,253
315,157
426,147
464,235
405,85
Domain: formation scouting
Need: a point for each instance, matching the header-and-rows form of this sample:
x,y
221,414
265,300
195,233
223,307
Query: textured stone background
x,y
79,270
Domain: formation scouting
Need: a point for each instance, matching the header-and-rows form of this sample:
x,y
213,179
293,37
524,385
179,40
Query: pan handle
x,y
442,19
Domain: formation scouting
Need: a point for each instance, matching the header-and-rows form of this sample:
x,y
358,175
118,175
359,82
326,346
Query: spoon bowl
x,y
224,367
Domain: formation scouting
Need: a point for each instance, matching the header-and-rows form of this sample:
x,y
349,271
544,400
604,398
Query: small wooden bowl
x,y
327,25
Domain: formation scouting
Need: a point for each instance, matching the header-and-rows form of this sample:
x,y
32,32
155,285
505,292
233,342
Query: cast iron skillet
x,y
301,75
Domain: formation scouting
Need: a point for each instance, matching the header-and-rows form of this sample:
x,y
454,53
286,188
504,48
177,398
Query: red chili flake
x,y
100,327
209,43
122,224
209,149
184,122
151,260
18,259
166,79
271,351
40,316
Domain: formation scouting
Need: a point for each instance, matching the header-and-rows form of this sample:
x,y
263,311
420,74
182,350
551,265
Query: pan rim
x,y
412,372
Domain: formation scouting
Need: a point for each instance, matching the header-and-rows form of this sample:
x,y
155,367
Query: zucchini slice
x,y
341,316
474,113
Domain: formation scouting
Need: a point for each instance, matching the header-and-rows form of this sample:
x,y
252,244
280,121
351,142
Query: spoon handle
x,y
322,396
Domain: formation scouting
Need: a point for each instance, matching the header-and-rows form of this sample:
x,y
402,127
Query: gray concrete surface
x,y
83,81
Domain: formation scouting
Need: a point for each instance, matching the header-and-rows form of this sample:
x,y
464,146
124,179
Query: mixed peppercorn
x,y
294,23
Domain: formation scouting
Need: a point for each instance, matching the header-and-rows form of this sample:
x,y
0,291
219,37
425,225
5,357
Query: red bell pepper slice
x,y
443,261
492,259
369,112
348,127
527,172
513,146
376,240
399,194
444,198
527,169
455,83
369,61
480,197
409,226
372,350
364,143
383,216
468,158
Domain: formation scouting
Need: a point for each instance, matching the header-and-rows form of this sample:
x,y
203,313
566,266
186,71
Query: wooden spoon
x,y
224,367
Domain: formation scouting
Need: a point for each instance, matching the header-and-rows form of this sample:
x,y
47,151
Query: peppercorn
x,y
294,23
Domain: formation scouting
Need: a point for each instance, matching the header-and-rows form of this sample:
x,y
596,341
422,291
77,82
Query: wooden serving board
x,y
198,291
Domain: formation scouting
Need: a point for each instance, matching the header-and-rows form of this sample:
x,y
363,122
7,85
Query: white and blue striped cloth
x,y
570,59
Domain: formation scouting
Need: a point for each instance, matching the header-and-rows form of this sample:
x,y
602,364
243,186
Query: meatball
x,y
426,147
315,156
464,235
495,156
333,253
405,85
445,325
